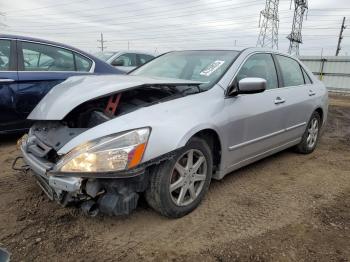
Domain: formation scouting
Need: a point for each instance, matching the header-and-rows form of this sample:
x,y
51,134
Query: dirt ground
x,y
288,207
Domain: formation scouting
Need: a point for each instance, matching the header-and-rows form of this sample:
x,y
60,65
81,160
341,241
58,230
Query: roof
x,y
28,38
127,51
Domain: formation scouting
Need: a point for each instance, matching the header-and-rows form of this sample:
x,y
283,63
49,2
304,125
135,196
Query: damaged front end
x,y
104,174
100,175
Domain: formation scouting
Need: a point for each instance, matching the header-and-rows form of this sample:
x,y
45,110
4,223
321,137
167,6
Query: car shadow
x,y
10,139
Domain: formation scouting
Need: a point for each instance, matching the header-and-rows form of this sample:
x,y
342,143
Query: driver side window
x,y
262,66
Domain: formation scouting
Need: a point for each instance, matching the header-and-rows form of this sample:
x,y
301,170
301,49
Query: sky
x,y
158,26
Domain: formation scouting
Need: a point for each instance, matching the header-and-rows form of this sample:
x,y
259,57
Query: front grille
x,y
44,184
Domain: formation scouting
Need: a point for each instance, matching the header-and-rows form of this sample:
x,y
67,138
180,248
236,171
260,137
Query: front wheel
x,y
178,185
311,135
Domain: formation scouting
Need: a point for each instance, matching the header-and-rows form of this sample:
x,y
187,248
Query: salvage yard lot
x,y
288,207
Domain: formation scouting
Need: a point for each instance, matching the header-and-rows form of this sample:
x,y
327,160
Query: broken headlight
x,y
107,154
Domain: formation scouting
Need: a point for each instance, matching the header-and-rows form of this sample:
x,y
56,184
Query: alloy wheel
x,y
312,133
188,177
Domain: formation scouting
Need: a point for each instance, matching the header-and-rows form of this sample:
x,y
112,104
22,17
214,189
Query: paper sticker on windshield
x,y
212,68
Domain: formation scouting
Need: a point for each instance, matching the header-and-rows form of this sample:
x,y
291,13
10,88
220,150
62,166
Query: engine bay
x,y
55,134
97,111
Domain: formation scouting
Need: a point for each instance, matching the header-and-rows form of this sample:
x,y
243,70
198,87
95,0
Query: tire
x,y
167,200
305,146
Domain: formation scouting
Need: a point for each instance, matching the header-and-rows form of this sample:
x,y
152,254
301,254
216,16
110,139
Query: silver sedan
x,y
125,60
170,127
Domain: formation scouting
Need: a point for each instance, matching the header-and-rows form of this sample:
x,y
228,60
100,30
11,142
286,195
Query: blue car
x,y
29,68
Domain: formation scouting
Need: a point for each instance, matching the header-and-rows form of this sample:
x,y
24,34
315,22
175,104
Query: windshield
x,y
104,56
204,66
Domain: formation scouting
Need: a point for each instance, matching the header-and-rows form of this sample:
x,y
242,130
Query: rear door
x,y
256,121
8,82
40,67
298,93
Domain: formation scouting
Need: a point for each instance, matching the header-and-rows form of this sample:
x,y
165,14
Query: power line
x,y
167,29
129,21
174,13
154,10
45,7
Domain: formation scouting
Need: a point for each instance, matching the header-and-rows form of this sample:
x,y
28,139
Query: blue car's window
x,y
82,63
39,57
5,55
203,66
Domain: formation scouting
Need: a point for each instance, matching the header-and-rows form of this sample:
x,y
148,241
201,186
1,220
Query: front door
x,y
256,121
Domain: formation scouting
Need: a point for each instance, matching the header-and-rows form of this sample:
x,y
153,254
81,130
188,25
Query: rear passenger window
x,y
39,57
262,66
5,55
306,77
83,64
291,71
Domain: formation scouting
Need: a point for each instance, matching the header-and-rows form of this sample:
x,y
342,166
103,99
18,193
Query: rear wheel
x,y
311,135
178,185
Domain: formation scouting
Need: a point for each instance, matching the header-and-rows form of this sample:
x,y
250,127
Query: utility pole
x,y
340,36
295,38
102,47
268,36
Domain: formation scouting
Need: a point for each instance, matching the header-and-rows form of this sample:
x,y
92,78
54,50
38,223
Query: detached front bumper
x,y
53,186
112,196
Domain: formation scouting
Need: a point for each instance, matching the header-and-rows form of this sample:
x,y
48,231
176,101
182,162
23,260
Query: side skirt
x,y
221,174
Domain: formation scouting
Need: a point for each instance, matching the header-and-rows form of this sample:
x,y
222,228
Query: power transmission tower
x,y
102,47
268,36
340,36
295,38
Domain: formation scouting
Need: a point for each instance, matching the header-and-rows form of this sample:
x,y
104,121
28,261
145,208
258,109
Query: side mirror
x,y
251,85
118,63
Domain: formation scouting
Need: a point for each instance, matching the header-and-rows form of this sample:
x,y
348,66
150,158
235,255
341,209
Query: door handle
x,y
311,93
6,80
279,100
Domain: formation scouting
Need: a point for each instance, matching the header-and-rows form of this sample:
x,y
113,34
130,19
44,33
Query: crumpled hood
x,y
76,90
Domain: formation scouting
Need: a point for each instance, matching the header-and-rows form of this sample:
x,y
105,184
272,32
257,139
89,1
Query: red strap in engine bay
x,y
112,105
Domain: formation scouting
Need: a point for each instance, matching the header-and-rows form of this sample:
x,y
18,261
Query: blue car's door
x,y
41,67
8,83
